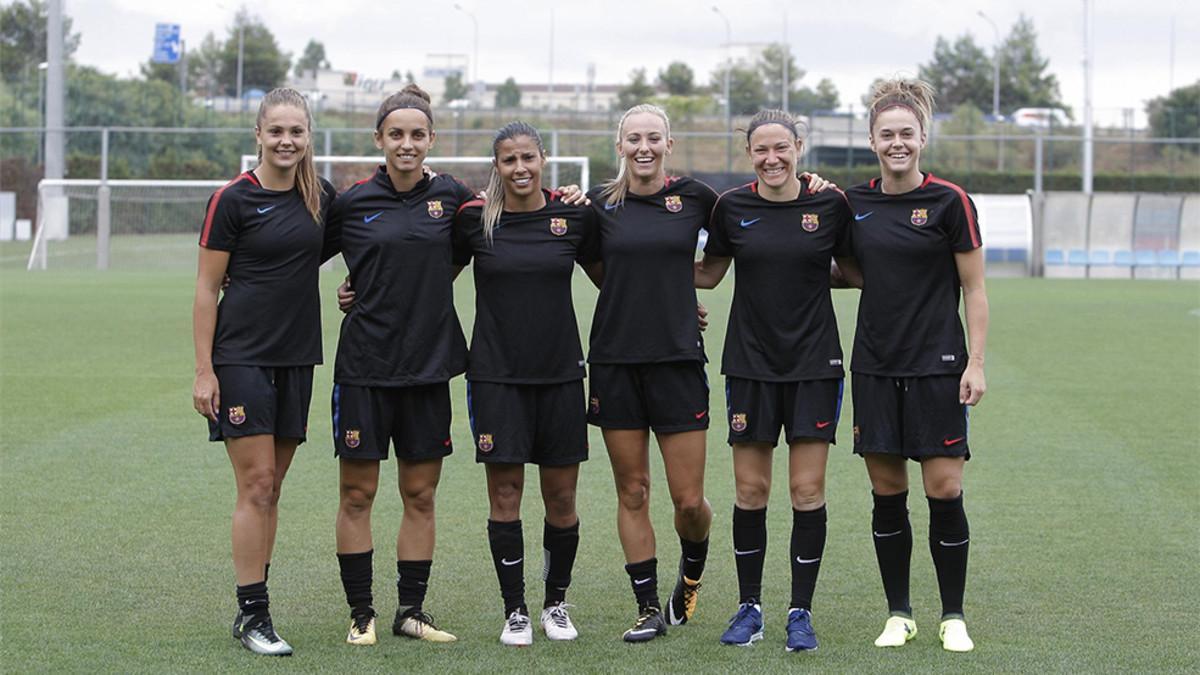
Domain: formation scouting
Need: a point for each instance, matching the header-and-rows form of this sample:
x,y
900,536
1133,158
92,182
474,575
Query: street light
x,y
474,47
995,67
241,53
728,67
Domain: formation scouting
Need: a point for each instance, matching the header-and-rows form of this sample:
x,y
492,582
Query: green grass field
x,y
1084,500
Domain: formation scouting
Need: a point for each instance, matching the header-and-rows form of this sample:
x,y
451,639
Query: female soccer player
x,y
256,349
916,240
525,369
400,344
647,359
782,360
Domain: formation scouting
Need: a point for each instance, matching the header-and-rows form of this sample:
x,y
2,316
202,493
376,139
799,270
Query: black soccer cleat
x,y
649,625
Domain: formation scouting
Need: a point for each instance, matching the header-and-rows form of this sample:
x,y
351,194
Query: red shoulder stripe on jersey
x,y
553,195
872,183
928,180
972,226
844,197
753,185
668,180
474,202
252,177
212,206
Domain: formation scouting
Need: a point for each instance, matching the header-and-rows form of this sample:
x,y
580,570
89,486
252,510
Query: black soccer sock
x,y
893,548
808,545
412,580
749,551
252,599
949,541
560,544
508,555
693,555
356,580
643,576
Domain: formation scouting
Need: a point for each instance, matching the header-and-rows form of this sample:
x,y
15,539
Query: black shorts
x,y
262,400
805,409
914,417
542,424
415,419
666,397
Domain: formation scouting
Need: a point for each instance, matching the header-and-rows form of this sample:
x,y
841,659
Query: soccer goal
x,y
154,224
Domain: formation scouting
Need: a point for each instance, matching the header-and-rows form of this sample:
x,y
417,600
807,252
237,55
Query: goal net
x,y
155,224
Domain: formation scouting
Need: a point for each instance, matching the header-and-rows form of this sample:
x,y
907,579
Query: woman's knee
x,y
257,487
633,492
752,492
807,494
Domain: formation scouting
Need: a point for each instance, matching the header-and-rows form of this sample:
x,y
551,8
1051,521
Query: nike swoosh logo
x,y
863,216
822,425
264,209
642,631
802,561
700,415
881,535
610,207
951,441
509,563
737,552
373,216
639,582
694,559
748,223
957,543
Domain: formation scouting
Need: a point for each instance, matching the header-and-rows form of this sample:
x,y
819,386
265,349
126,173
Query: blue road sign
x,y
166,43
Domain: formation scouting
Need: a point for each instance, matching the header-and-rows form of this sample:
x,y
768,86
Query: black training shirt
x,y
646,312
402,330
781,323
908,323
270,314
525,330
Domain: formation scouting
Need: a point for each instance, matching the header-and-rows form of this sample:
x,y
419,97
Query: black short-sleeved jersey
x,y
908,322
270,314
646,312
403,330
781,324
525,330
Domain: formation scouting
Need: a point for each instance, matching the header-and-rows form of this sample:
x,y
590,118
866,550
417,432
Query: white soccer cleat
x,y
556,622
953,633
897,632
518,632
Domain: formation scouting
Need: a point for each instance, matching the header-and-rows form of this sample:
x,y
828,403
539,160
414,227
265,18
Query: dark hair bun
x,y
414,90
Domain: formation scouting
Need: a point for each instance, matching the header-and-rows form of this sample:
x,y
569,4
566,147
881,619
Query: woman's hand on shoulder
x,y
573,196
816,183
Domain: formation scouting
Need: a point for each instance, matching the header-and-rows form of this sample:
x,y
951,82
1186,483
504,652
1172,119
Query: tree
x,y
204,66
508,95
960,73
454,88
824,97
264,65
23,39
312,59
746,91
770,68
637,91
678,79
1024,82
1176,115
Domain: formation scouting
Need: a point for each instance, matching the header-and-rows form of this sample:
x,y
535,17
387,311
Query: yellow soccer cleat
x,y
362,630
682,604
420,626
953,633
897,632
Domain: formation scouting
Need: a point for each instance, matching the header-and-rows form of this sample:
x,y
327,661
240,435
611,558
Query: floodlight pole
x,y
728,103
55,136
1088,37
474,48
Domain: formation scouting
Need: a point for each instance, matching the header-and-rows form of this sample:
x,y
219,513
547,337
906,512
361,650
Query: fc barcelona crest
x,y
920,217
435,208
738,422
237,414
810,222
353,438
485,443
674,203
558,226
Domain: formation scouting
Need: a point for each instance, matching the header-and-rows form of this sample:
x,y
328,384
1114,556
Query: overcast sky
x,y
848,42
